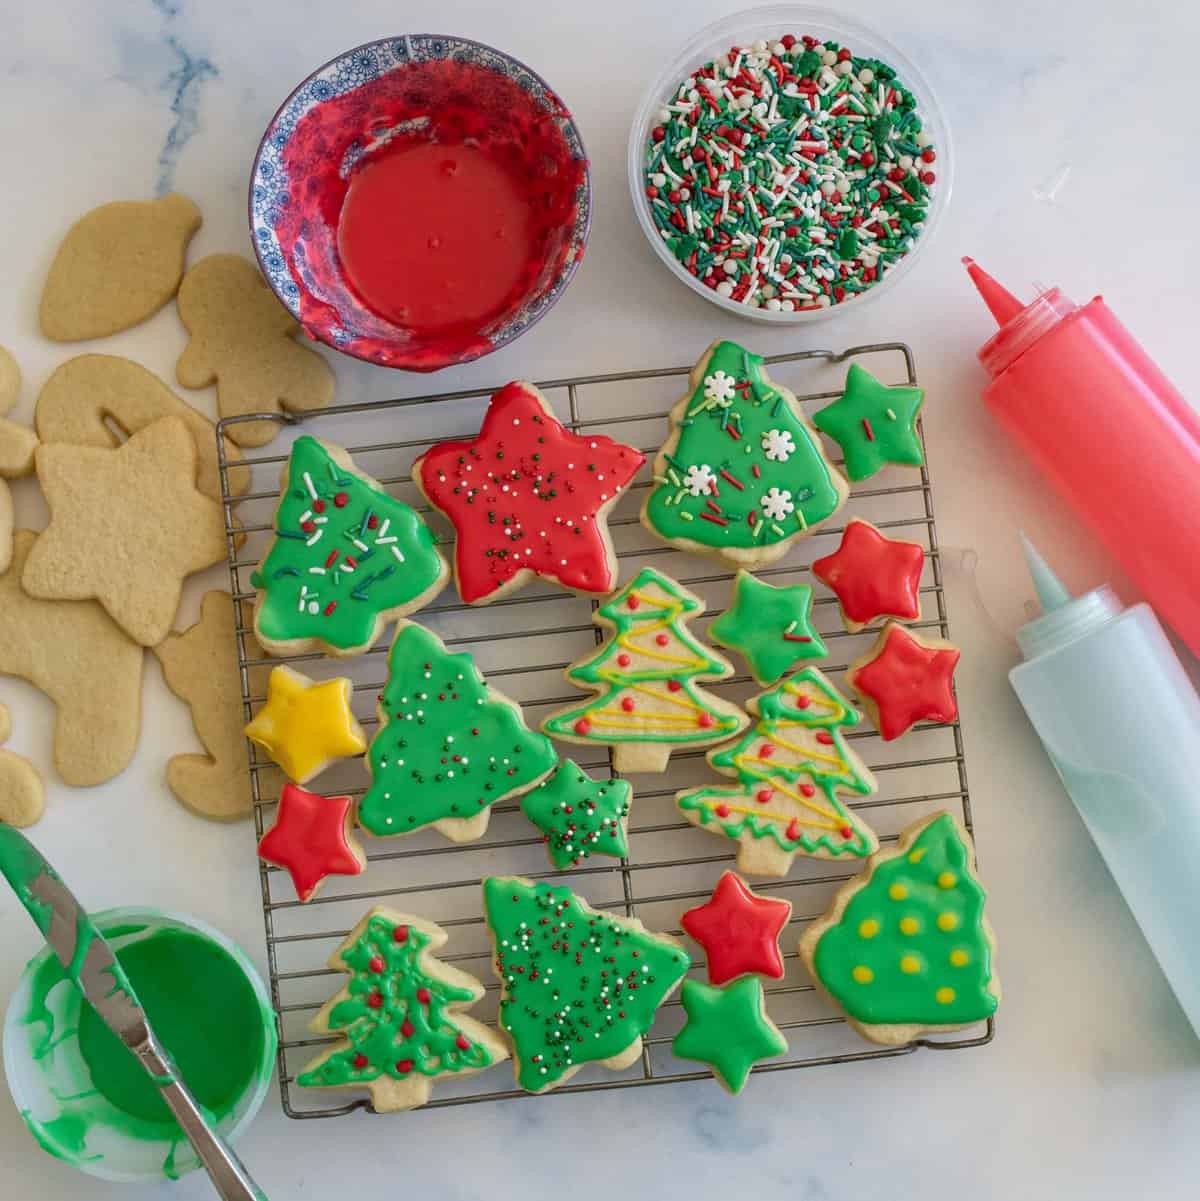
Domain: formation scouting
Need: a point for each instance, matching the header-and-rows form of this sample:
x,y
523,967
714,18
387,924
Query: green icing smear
x,y
20,864
911,947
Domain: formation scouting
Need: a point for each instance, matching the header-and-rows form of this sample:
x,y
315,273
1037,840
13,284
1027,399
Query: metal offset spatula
x,y
89,962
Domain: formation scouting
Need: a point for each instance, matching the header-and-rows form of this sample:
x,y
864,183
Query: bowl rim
x,y
848,28
584,204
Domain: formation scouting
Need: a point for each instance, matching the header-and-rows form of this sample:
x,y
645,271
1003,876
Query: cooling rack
x,y
523,643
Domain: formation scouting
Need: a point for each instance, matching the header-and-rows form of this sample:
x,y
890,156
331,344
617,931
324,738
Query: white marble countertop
x,y
1074,129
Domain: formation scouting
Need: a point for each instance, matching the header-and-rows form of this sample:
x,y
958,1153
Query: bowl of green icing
x,y
84,1097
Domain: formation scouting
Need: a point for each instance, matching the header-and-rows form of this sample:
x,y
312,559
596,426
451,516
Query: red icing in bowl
x,y
426,208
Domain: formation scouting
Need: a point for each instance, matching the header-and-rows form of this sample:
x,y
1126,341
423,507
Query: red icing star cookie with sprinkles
x,y
739,931
528,498
904,679
873,576
312,839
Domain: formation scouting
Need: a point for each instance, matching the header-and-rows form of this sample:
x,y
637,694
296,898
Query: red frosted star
x,y
527,497
739,931
873,575
908,680
310,838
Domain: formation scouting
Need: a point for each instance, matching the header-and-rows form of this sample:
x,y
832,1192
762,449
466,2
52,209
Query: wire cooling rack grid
x,y
523,643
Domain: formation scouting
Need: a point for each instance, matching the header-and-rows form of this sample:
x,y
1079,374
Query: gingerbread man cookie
x,y
17,444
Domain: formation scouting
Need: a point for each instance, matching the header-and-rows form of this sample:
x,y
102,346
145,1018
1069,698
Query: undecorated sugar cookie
x,y
242,340
22,794
399,1018
312,838
905,948
874,576
578,985
117,266
528,498
17,444
742,474
647,678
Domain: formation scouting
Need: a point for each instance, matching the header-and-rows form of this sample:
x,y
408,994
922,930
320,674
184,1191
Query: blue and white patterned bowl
x,y
342,321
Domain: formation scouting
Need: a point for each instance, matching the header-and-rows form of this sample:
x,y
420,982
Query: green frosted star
x,y
770,627
728,1029
578,815
873,424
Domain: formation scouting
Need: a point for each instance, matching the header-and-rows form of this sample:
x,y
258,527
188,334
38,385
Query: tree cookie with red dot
x,y
647,678
399,1018
528,498
904,679
873,576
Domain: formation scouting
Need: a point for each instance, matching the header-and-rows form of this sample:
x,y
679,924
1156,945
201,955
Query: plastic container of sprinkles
x,y
792,294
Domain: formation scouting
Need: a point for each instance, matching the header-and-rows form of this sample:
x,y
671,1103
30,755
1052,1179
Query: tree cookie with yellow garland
x,y
905,948
647,679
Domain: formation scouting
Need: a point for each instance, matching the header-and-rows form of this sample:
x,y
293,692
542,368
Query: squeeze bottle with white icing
x,y
1120,720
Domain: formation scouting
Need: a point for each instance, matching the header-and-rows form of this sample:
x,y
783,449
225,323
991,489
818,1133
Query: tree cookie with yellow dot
x,y
905,948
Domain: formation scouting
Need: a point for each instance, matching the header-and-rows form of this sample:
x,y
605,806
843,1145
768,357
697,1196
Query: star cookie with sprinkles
x,y
904,679
739,931
769,626
346,559
873,576
647,678
874,424
312,839
789,770
728,1029
742,474
528,498
905,948
306,725
579,816
578,985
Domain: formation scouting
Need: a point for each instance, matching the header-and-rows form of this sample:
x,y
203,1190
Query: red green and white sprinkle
x,y
790,175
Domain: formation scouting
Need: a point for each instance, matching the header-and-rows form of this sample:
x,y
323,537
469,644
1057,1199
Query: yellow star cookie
x,y
126,527
306,725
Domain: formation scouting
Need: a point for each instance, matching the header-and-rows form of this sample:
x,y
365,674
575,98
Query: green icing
x,y
21,864
757,449
873,424
578,985
345,552
790,767
397,1016
578,815
728,1029
647,687
910,947
205,1014
770,627
446,748
63,1137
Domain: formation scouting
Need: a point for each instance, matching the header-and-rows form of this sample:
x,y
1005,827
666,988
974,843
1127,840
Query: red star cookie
x,y
904,679
873,576
312,839
527,498
739,931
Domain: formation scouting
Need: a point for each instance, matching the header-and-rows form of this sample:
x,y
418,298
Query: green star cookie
x,y
873,424
770,627
728,1029
578,815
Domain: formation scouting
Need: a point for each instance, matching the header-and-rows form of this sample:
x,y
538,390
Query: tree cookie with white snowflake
x,y
742,474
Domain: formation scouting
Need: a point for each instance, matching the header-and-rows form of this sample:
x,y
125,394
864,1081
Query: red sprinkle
x,y
329,608
376,963
705,720
582,727
763,795
866,424
423,996
722,810
341,499
404,1066
623,660
360,1061
673,685
400,934
375,1000
627,704
661,639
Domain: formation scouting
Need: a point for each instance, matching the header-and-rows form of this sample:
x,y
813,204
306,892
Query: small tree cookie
x,y
399,1017
789,770
647,677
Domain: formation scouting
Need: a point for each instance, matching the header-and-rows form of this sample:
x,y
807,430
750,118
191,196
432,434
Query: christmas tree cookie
x,y
399,1017
647,677
578,986
579,816
528,498
873,424
789,770
905,948
728,1029
742,475
448,746
346,559
770,627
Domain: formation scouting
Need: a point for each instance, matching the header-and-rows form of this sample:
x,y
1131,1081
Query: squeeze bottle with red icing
x,y
1109,430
